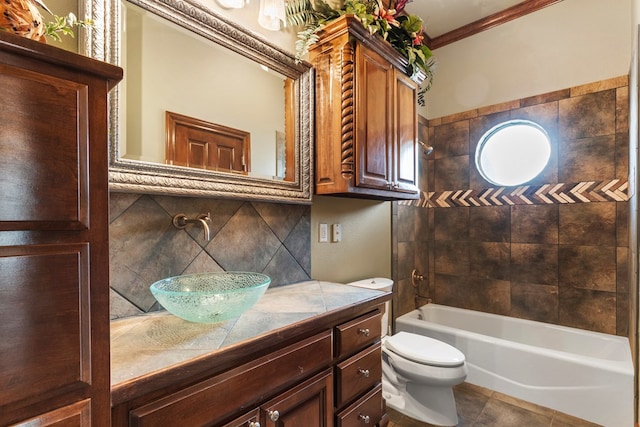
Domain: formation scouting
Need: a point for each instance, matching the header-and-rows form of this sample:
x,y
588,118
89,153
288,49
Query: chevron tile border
x,y
615,190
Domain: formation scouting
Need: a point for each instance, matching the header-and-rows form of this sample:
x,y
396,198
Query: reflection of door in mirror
x,y
168,68
196,143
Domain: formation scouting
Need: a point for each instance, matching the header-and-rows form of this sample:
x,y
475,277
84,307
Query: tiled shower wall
x,y
555,250
245,236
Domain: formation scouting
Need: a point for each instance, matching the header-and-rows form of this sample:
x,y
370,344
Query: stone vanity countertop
x,y
147,346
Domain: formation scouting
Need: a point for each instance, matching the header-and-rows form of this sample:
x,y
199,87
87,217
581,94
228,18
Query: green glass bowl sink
x,y
210,297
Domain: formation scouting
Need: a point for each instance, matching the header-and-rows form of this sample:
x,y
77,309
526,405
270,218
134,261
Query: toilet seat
x,y
424,350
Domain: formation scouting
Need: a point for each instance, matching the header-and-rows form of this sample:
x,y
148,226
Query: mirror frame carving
x,y
102,42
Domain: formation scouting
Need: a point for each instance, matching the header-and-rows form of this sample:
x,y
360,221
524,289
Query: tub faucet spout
x,y
180,221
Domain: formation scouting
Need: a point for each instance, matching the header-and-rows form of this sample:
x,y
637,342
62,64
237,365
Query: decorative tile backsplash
x,y
554,250
269,238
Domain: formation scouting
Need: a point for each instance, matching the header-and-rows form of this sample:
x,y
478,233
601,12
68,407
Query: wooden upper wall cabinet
x,y
366,117
54,219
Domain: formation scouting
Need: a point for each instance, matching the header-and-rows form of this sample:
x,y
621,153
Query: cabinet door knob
x,y
366,332
274,415
254,424
364,418
364,372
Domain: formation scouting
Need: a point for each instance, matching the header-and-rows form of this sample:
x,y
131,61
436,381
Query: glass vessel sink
x,y
210,297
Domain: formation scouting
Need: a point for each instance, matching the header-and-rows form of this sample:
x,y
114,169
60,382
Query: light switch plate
x,y
323,233
337,233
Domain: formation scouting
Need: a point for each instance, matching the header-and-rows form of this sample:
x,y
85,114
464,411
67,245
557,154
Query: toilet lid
x,y
424,350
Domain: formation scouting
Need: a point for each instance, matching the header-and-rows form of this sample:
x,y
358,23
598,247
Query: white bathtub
x,y
581,373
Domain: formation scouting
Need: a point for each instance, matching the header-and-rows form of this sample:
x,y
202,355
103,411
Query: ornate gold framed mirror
x,y
181,79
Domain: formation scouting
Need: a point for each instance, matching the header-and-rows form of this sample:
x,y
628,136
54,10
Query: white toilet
x,y
418,372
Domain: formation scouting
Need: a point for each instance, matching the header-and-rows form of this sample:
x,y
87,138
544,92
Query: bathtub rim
x,y
624,365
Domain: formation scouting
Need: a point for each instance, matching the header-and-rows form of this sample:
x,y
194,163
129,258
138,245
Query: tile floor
x,y
478,407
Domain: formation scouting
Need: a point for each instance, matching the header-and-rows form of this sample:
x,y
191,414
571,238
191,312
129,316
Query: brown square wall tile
x,y
451,223
406,223
587,309
622,109
622,315
489,260
534,263
622,270
404,296
406,256
587,159
534,302
422,225
489,224
452,139
487,295
622,223
451,289
588,224
622,155
451,257
492,296
534,223
588,115
451,173
587,267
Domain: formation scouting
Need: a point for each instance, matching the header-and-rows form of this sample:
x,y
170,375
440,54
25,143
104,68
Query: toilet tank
x,y
379,284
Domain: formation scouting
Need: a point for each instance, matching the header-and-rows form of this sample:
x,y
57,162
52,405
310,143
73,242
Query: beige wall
x,y
365,249
571,43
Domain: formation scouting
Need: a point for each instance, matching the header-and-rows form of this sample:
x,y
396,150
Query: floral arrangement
x,y
403,31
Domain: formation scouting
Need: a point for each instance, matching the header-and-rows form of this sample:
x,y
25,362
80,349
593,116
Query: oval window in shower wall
x,y
513,152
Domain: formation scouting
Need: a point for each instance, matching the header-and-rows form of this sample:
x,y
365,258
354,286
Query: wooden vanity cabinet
x,y
54,261
215,399
320,379
359,371
366,116
309,404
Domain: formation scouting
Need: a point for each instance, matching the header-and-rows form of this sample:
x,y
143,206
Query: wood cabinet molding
x,y
366,115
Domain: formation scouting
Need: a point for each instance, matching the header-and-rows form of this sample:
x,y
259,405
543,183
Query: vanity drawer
x,y
250,419
358,333
358,374
367,411
220,397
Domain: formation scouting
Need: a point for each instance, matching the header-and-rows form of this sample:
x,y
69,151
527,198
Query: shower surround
x,y
554,250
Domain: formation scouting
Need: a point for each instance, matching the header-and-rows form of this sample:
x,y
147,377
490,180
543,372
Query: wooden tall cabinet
x,y
54,269
366,115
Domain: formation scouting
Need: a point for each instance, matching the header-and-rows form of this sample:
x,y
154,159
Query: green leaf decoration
x,y
403,32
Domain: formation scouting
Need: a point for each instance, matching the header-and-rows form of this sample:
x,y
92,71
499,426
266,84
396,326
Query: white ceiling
x,y
442,16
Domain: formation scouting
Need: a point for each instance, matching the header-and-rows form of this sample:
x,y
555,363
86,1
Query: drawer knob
x,y
364,418
364,331
274,415
364,372
254,424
